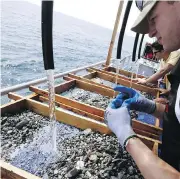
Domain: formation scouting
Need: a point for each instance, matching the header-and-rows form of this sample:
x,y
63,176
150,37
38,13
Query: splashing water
x,y
50,77
116,78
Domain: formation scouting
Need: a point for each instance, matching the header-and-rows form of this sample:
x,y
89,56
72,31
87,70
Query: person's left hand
x,y
118,101
134,100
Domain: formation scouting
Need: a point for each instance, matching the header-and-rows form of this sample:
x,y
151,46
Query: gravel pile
x,y
91,155
19,129
104,82
88,97
35,156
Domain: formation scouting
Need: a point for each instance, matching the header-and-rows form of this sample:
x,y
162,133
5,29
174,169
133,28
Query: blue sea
x,y
76,43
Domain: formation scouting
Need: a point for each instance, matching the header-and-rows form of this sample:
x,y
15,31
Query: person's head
x,y
161,19
158,50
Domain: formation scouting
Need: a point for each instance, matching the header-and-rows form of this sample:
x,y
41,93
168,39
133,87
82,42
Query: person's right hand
x,y
136,101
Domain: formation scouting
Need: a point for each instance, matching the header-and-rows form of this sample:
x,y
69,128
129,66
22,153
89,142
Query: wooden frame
x,y
79,114
96,113
84,116
122,72
108,76
74,120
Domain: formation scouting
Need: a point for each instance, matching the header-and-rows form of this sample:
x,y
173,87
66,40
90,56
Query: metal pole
x,y
46,28
114,32
42,80
135,47
140,46
123,27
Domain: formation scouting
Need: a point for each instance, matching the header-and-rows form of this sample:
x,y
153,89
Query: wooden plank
x,y
8,171
114,32
123,72
108,73
86,80
146,127
13,107
112,78
65,86
155,148
70,102
157,123
95,88
147,134
90,75
16,97
68,117
75,110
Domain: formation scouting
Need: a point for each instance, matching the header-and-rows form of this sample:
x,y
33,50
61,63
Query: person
x,y
149,55
167,62
161,19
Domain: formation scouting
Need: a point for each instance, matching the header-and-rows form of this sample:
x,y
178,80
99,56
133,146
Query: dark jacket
x,y
170,151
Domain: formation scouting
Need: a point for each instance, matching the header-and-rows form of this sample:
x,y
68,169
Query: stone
x,y
21,124
122,164
120,174
73,173
10,132
56,172
93,158
136,177
113,177
87,131
131,170
80,165
99,139
88,174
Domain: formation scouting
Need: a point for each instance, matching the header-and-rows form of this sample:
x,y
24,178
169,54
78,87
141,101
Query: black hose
x,y
135,47
140,46
46,30
121,35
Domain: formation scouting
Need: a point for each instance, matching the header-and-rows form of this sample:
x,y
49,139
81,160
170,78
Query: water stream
x,y
117,73
52,116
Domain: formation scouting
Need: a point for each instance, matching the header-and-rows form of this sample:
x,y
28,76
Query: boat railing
x,y
21,86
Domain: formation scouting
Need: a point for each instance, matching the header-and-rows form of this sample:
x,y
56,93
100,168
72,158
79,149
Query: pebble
x,y
130,169
93,158
73,173
121,174
87,131
22,124
88,174
10,132
15,129
80,165
55,172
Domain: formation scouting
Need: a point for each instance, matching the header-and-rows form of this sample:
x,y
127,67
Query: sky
x,y
100,12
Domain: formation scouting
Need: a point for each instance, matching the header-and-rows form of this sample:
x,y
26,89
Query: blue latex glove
x,y
135,100
118,101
